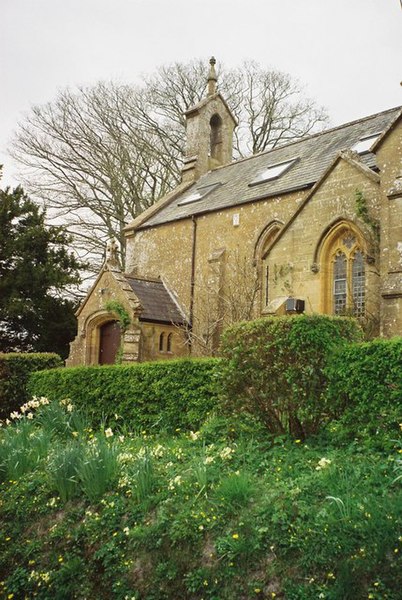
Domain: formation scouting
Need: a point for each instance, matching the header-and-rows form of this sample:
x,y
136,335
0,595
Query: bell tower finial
x,y
212,78
209,128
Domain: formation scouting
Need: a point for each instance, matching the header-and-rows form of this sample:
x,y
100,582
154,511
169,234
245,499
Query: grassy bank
x,y
223,513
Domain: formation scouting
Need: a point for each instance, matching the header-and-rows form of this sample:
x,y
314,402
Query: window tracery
x,y
344,272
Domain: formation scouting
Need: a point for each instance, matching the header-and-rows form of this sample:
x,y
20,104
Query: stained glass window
x,y
358,284
349,277
340,283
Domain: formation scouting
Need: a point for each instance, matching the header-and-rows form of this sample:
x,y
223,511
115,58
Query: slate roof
x,y
156,301
313,154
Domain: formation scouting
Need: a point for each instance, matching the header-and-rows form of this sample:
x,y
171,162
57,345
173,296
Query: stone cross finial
x,y
111,252
212,78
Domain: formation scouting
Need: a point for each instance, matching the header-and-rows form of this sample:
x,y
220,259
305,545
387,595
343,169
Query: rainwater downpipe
x,y
192,279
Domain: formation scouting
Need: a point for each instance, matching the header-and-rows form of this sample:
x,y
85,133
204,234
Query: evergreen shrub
x,y
274,368
365,387
166,395
15,369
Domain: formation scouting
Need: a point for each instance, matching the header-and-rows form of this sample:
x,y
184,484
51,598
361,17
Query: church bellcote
x,y
209,128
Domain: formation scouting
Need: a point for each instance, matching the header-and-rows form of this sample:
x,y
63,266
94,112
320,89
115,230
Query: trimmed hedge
x,y
274,368
365,387
15,369
167,395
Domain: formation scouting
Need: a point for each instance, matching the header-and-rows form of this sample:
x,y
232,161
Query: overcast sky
x,y
347,53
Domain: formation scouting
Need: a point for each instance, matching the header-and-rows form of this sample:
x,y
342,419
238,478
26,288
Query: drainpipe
x,y
192,280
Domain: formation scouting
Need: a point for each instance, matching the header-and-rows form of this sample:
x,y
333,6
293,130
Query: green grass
x,y
62,470
226,513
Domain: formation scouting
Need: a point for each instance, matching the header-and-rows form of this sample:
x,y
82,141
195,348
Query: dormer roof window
x,y
365,143
274,171
198,194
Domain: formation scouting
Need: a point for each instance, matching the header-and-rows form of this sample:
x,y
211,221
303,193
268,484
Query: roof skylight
x,y
192,198
274,171
364,144
198,194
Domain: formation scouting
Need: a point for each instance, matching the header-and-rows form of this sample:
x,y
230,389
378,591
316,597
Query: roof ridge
x,y
316,152
347,124
308,137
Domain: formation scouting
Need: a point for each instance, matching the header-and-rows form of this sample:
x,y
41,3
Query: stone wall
x,y
93,313
232,234
220,265
296,267
389,159
150,339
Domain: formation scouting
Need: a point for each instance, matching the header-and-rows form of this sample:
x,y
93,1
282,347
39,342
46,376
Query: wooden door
x,y
109,342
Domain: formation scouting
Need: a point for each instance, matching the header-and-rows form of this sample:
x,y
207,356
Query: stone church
x,y
312,226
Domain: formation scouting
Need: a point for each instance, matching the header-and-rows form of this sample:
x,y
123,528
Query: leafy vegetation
x,y
275,369
71,166
35,268
124,321
225,512
166,395
15,369
174,496
363,213
365,389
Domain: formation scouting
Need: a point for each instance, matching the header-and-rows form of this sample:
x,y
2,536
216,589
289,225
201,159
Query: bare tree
x,y
271,109
227,295
97,157
91,164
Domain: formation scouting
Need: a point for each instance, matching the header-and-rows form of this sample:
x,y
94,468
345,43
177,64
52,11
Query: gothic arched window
x,y
340,284
358,284
216,138
344,273
261,253
161,342
169,342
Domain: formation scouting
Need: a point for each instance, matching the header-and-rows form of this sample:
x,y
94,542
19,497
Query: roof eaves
x,y
161,321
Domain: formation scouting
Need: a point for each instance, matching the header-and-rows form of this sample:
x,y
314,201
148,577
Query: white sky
x,y
347,53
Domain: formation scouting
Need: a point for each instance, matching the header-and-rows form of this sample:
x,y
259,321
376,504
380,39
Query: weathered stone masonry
x,y
299,234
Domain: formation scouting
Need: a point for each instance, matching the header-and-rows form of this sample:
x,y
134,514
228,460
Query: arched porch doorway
x,y
109,342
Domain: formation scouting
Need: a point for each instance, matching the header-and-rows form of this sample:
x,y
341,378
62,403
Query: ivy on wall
x,y
362,212
124,321
122,315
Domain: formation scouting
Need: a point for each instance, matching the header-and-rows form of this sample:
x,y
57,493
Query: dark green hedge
x,y
165,395
274,368
365,387
15,369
